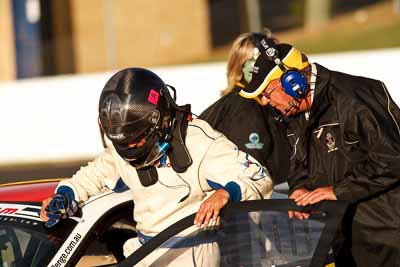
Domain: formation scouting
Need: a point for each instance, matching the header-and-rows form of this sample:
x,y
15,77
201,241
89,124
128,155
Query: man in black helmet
x,y
344,131
167,160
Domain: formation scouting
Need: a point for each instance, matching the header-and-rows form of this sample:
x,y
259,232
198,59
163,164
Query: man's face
x,y
138,144
275,96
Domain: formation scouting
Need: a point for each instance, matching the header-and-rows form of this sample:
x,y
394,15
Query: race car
x,y
250,233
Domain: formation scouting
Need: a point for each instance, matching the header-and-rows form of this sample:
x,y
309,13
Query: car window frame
x,y
331,211
32,225
98,229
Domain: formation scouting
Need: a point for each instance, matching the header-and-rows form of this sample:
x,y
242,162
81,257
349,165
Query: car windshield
x,y
24,241
255,233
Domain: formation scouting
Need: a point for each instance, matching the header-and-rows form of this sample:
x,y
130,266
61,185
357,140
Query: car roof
x,y
28,191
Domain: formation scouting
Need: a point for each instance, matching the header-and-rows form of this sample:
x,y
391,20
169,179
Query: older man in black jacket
x,y
345,135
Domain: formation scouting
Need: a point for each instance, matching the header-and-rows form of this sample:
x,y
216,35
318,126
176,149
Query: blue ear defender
x,y
294,83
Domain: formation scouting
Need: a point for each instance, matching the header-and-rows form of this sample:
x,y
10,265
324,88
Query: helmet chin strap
x,y
147,176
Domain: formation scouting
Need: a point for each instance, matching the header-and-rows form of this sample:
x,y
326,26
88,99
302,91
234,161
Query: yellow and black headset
x,y
293,81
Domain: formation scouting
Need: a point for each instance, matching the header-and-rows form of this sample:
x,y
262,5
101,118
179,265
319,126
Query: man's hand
x,y
209,209
57,207
315,196
298,193
43,213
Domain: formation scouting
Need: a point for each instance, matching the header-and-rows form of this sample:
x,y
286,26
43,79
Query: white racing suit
x,y
217,163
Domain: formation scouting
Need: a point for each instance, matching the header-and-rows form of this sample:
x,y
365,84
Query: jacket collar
x,y
321,97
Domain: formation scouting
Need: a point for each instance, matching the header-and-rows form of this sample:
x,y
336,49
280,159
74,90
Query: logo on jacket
x,y
330,142
254,139
253,169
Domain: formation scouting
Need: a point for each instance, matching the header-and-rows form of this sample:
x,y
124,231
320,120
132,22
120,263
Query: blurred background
x,y
55,56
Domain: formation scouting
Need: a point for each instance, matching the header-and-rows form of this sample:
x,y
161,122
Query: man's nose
x,y
265,100
139,144
132,145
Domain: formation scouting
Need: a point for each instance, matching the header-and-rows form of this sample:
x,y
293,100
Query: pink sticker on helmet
x,y
153,97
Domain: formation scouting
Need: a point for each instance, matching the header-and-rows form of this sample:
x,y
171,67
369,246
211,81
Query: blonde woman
x,y
252,127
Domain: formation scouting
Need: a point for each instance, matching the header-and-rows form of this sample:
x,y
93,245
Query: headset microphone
x,y
291,106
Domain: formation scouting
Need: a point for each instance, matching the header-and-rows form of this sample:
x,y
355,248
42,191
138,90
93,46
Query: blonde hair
x,y
242,49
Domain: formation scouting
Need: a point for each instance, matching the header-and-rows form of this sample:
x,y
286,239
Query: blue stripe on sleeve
x,y
233,189
65,190
120,186
214,185
235,193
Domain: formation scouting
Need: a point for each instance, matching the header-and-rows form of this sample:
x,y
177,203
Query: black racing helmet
x,y
135,105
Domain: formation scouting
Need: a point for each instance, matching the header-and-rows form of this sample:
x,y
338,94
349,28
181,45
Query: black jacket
x,y
253,129
352,142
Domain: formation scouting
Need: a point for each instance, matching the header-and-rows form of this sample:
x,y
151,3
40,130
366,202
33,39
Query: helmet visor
x,y
133,132
144,155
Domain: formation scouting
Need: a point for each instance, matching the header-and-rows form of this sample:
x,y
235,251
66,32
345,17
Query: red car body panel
x,y
31,192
